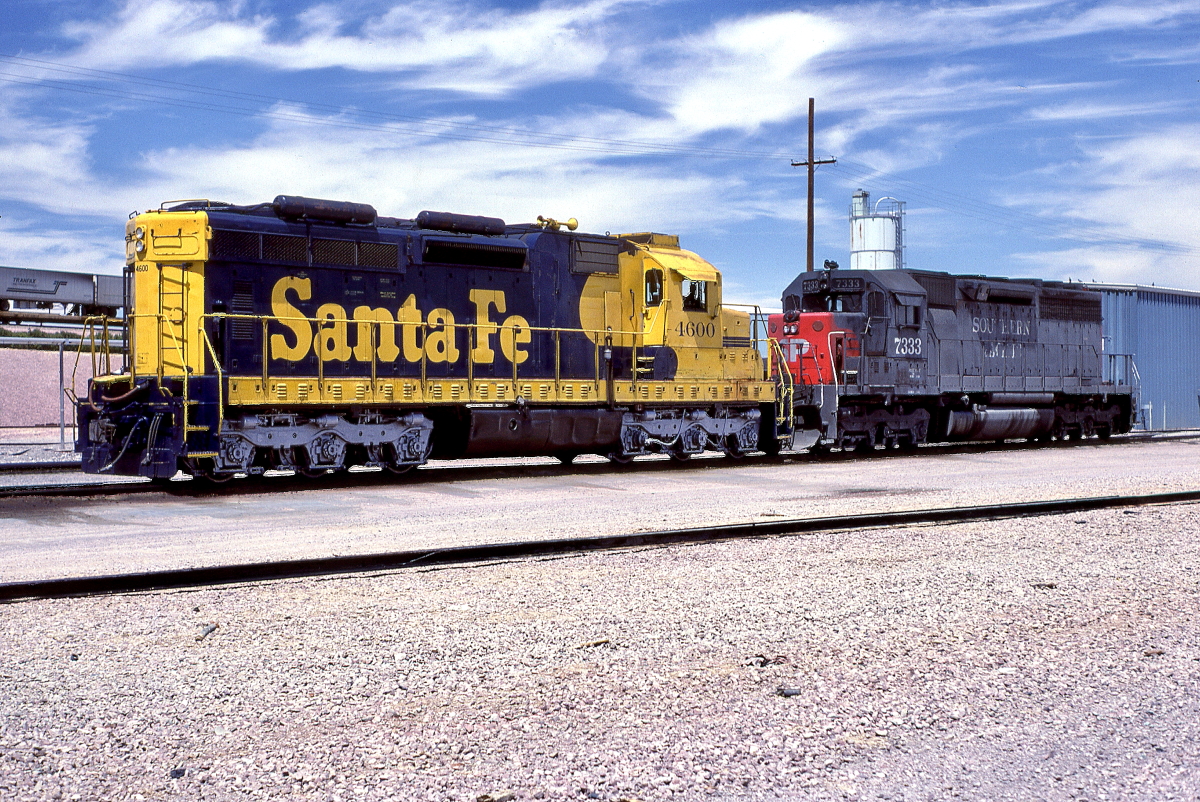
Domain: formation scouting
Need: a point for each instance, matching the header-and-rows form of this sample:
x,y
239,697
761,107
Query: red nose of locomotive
x,y
813,346
806,342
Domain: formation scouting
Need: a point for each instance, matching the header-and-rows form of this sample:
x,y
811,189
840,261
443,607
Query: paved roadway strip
x,y
328,566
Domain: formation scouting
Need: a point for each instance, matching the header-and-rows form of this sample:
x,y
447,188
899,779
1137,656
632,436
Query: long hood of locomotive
x,y
1016,332
411,299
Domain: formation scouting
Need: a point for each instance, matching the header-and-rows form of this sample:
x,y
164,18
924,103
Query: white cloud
x,y
43,162
445,45
1085,110
901,85
26,242
401,175
1136,189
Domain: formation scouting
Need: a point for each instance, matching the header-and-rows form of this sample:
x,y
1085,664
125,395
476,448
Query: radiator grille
x,y
235,246
378,254
333,252
285,248
1075,308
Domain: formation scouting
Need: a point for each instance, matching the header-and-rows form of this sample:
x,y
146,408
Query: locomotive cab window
x,y
695,295
846,302
876,304
654,287
841,302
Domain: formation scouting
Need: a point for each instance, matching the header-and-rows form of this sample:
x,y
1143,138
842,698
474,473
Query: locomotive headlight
x,y
139,246
139,233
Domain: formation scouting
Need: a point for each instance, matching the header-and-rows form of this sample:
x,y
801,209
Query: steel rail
x,y
49,466
387,561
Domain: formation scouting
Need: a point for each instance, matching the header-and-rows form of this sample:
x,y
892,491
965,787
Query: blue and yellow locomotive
x,y
315,335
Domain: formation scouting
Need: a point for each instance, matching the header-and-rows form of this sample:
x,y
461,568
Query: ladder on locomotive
x,y
172,339
172,311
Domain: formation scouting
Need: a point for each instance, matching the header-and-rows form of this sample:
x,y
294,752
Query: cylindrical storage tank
x,y
999,424
873,243
876,234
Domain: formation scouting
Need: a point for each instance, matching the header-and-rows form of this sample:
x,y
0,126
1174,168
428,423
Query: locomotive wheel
x,y
402,469
679,456
733,449
619,458
566,459
311,473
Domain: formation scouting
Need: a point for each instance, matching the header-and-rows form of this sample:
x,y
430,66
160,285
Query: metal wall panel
x,y
1161,329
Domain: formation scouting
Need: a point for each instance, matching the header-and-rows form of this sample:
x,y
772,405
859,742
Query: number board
x,y
834,284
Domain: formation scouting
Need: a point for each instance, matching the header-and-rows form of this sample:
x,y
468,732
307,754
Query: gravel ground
x,y
50,537
1052,658
29,385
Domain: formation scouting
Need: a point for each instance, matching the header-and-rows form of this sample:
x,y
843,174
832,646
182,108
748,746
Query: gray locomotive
x,y
900,357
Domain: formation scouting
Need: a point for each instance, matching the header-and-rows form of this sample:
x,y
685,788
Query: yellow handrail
x,y
787,390
220,387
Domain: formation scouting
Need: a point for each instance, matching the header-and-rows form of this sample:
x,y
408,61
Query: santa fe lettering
x,y
431,337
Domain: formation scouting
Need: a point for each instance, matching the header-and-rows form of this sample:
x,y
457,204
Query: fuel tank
x,y
999,424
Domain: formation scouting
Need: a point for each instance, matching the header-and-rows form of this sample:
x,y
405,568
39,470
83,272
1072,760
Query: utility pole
x,y
811,164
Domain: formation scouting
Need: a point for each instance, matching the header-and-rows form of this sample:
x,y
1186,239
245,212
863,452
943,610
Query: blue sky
x,y
1052,139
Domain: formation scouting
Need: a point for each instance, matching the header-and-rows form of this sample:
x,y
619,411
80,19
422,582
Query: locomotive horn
x,y
554,225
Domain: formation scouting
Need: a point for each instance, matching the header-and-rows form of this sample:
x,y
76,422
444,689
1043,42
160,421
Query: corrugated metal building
x,y
1160,328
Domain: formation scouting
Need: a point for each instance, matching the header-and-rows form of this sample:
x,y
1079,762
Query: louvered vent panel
x,y
939,290
242,303
595,256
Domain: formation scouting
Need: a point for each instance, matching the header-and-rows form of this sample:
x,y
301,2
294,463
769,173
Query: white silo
x,y
876,234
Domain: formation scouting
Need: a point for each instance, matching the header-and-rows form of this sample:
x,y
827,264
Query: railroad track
x,y
366,563
495,469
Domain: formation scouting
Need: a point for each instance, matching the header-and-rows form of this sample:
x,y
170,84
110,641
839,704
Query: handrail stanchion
x,y
265,357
